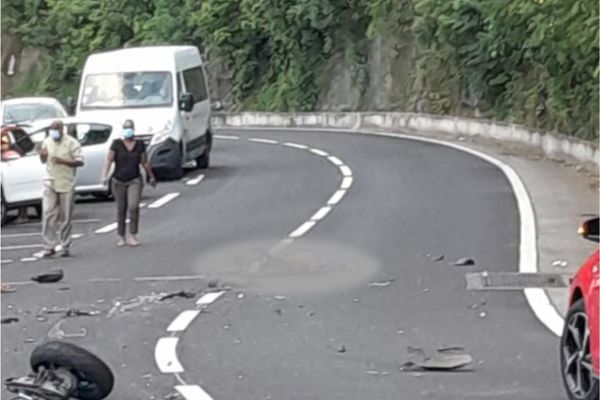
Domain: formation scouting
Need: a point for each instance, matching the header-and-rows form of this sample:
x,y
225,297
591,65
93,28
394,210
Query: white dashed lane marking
x,y
345,170
183,321
209,298
319,152
302,229
264,141
165,355
337,196
346,182
195,181
296,146
193,392
227,137
334,160
107,228
164,200
319,215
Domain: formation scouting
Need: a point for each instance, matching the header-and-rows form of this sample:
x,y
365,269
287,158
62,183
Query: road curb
x,y
552,145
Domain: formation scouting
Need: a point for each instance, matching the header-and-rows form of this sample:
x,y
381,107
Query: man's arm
x,y
75,154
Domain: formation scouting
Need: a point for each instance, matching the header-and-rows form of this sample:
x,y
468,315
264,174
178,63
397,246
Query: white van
x,y
163,89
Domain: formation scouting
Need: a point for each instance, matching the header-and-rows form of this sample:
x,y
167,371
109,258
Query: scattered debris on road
x,y
448,358
52,276
464,261
71,312
438,258
9,320
181,293
63,288
382,284
213,284
374,372
7,288
341,349
279,312
560,264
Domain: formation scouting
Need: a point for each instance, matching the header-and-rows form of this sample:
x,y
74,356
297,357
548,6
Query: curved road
x,y
329,315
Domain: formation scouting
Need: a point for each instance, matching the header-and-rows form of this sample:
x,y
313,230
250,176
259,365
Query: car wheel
x,y
95,378
203,161
576,357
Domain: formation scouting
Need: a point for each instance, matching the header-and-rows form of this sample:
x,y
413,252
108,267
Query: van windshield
x,y
129,89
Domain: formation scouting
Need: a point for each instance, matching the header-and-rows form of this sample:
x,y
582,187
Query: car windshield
x,y
27,112
124,90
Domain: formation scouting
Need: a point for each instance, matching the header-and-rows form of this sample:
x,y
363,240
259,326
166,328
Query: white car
x,y
21,173
31,113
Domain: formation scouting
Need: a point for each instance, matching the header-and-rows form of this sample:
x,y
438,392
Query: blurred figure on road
x,y
62,155
6,153
127,154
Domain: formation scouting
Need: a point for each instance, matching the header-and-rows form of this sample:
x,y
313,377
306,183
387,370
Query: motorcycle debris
x,y
181,293
463,262
438,258
52,276
9,320
381,284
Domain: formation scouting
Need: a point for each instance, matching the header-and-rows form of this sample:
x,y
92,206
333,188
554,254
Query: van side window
x,y
194,83
179,89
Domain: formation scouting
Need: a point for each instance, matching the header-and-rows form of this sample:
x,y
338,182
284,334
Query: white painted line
x,y
168,278
183,320
86,221
193,392
21,247
296,146
16,235
302,229
346,182
537,298
226,137
337,196
195,181
335,160
38,254
142,205
165,355
164,200
106,280
209,298
28,259
280,246
323,211
107,228
264,141
77,235
345,170
8,261
319,152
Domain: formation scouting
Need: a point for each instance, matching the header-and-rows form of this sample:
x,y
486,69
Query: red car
x,y
579,355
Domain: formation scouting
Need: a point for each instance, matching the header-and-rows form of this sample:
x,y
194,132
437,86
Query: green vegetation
x,y
527,61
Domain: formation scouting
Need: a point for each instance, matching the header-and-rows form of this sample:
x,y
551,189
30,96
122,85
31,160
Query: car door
x,y
95,144
22,172
196,121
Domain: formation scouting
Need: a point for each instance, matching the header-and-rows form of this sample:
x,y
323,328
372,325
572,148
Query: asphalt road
x,y
330,314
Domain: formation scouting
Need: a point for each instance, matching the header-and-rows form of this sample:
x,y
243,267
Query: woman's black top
x,y
127,163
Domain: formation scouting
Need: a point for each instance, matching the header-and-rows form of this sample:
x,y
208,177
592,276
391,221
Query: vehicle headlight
x,y
163,134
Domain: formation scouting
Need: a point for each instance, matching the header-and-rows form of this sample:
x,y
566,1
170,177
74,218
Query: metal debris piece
x,y
425,290
400,332
63,288
74,312
172,396
560,264
444,349
382,284
40,318
52,276
446,362
482,314
241,295
277,297
9,320
438,258
341,349
30,340
356,300
464,261
181,293
513,280
279,311
373,372
213,284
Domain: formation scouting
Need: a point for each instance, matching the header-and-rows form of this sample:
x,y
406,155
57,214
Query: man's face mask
x,y
128,133
54,134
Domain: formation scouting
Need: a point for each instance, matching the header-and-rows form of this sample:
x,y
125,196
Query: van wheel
x,y
203,161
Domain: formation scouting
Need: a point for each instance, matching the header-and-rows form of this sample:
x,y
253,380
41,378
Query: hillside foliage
x,y
527,61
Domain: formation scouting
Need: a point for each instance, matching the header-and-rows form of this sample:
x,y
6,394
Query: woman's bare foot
x,y
132,241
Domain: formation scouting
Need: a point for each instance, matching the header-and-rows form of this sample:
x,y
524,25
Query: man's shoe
x,y
48,253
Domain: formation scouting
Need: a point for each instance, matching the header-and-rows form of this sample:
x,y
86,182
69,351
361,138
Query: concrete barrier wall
x,y
553,145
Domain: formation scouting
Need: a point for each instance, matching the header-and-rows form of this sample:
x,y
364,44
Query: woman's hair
x,y
128,124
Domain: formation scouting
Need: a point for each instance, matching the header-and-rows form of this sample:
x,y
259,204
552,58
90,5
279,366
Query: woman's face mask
x,y
54,134
128,133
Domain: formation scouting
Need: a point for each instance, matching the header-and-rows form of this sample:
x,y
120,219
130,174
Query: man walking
x,y
62,155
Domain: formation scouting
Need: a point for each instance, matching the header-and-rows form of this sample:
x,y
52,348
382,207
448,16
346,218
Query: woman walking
x,y
127,154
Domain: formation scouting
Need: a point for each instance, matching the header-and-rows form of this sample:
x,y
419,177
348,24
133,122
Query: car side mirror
x,y
589,230
70,105
217,106
186,102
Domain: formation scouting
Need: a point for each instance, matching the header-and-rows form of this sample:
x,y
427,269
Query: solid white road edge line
x,y
195,181
193,392
164,200
537,298
302,229
165,355
183,320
